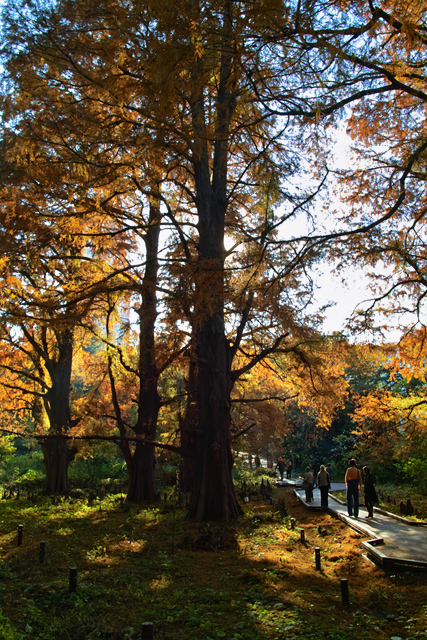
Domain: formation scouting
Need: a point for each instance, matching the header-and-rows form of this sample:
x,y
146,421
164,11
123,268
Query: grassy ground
x,y
252,581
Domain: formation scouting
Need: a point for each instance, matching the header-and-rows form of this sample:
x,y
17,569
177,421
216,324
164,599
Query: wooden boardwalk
x,y
392,541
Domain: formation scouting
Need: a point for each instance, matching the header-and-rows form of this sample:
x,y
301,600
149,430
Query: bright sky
x,y
352,294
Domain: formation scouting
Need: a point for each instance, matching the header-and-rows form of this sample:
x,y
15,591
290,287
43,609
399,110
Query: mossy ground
x,y
254,580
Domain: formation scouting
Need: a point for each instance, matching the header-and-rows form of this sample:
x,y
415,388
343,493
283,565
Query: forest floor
x,y
255,580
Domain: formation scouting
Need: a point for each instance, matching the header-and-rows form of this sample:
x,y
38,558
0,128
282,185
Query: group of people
x,y
353,481
322,479
319,475
283,466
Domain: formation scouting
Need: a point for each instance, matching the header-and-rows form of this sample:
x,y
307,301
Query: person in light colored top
x,y
308,480
353,481
324,484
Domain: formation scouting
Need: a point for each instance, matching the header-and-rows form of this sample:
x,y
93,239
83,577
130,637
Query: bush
x,y
7,632
416,469
100,465
24,468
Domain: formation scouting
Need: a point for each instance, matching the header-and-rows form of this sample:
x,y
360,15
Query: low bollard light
x,y
317,557
72,588
344,592
42,552
147,631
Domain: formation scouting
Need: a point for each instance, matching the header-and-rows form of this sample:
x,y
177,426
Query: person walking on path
x,y
308,485
324,484
371,497
316,469
281,466
353,481
288,469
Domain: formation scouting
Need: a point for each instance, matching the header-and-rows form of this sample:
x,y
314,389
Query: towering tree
x,y
230,95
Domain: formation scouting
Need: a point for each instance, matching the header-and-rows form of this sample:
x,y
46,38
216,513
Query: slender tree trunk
x,y
188,428
142,481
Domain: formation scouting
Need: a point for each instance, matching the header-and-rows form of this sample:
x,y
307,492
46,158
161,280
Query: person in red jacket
x,y
353,481
281,466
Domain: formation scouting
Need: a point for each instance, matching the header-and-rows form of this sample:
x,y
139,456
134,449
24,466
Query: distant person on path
x,y
324,484
308,480
316,469
281,466
257,461
353,481
371,497
288,469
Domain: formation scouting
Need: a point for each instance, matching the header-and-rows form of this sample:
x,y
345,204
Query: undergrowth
x,y
253,580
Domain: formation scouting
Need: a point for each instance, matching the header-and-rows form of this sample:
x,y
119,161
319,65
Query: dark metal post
x,y
20,533
73,580
292,523
42,552
344,592
302,535
317,556
147,631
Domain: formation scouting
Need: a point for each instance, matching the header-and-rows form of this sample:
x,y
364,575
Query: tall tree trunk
x,y
213,495
141,467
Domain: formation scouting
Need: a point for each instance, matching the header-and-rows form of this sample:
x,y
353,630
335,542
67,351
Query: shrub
x,y
416,469
24,468
7,632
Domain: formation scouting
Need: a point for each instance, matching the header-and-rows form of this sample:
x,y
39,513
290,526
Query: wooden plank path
x,y
392,541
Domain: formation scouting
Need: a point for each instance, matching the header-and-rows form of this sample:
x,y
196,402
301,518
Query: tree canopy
x,y
140,139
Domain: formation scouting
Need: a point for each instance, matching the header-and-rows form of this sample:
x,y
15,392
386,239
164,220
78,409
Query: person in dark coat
x,y
370,493
316,469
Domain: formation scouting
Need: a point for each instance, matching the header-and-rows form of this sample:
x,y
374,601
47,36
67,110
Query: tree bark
x,y
56,457
188,426
213,494
141,470
142,464
56,452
